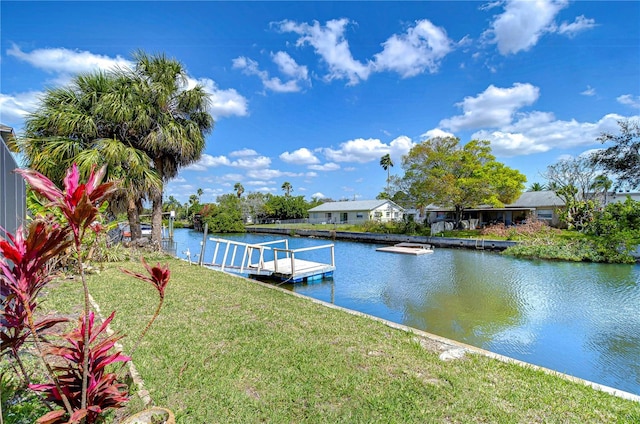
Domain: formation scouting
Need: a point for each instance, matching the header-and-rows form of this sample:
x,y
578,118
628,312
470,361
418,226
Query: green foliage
x,y
621,157
226,216
442,172
286,207
578,214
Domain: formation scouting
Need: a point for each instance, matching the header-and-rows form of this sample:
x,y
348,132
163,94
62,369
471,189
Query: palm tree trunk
x,y
156,212
134,220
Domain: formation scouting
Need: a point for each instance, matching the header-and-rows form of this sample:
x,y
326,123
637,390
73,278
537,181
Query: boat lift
x,y
281,263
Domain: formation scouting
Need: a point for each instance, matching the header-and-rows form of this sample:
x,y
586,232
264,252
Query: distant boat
x,y
407,248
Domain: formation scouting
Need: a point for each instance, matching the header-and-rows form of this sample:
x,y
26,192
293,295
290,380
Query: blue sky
x,y
314,93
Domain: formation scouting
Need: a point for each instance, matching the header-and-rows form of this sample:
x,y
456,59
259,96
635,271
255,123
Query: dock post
x,y
333,257
203,243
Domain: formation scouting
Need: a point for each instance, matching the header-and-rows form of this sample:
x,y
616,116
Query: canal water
x,y
581,319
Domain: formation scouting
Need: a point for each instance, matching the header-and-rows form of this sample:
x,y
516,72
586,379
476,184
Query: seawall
x,y
470,243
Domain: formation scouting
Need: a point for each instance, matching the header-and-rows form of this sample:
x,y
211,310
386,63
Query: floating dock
x,y
407,248
281,263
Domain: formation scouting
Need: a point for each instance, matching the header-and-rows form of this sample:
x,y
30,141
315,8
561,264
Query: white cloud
x,y
65,61
318,195
243,153
522,24
590,91
285,63
421,48
629,100
493,108
329,166
435,133
311,174
302,156
359,150
13,109
580,24
252,162
540,132
329,42
289,67
208,161
259,183
222,102
400,146
270,174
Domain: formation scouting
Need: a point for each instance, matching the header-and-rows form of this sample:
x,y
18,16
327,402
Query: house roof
x,y
356,205
536,199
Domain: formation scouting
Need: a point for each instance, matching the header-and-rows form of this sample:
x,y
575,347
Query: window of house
x,y
359,215
544,214
388,214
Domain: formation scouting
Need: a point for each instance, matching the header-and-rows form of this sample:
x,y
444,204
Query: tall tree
x,y
442,172
572,179
238,189
602,184
386,163
621,158
200,193
536,187
165,118
287,187
70,126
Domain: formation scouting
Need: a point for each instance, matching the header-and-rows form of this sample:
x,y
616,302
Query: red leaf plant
x,y
23,273
78,378
159,278
103,390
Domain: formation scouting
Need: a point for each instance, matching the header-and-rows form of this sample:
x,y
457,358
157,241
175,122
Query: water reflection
x,y
581,319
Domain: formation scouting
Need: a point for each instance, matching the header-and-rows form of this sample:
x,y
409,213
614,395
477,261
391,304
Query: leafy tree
x,y
621,159
226,216
286,207
253,205
572,179
239,189
287,187
386,163
442,172
163,117
536,187
617,230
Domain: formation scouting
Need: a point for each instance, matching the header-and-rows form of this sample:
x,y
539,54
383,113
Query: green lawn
x,y
228,350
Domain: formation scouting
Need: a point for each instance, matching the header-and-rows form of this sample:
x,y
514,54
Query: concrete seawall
x,y
470,243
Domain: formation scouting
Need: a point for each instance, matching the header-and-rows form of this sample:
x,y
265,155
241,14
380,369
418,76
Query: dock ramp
x,y
271,259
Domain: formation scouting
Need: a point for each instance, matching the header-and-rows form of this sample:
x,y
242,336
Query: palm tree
x,y
536,187
69,127
238,189
165,119
287,187
386,163
604,184
200,193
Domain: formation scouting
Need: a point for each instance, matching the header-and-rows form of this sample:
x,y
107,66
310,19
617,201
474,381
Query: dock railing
x,y
254,262
291,254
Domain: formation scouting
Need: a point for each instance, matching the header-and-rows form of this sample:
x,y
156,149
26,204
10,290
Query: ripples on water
x,y
577,318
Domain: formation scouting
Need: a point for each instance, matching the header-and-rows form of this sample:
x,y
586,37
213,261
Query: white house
x,y
357,211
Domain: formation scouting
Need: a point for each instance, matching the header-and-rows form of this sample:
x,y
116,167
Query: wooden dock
x,y
407,248
281,263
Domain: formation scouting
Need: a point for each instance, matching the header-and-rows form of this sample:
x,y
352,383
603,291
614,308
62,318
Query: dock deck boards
x,y
303,269
407,249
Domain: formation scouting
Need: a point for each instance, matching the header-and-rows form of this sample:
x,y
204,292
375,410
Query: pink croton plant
x,y
79,381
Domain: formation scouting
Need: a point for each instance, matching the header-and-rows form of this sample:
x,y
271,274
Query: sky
x,y
315,93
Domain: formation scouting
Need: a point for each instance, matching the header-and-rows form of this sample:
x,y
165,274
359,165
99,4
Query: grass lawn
x,y
225,350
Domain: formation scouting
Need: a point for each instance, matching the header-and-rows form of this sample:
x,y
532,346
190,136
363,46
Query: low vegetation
x,y
226,349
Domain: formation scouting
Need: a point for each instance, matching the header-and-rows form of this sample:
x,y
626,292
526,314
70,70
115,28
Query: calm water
x,y
579,319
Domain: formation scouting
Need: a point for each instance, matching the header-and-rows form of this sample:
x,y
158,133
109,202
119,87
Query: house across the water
x,y
356,212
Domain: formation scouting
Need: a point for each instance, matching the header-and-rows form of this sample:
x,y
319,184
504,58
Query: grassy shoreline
x,y
226,349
